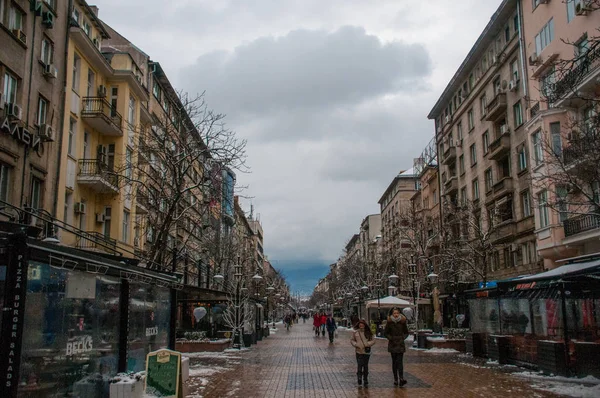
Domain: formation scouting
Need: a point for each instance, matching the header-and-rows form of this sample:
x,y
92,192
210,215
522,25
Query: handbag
x,y
367,349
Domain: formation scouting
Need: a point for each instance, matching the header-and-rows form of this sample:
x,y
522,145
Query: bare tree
x,y
239,312
182,168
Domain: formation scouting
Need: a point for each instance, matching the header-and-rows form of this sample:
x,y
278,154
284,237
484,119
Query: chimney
x,y
94,10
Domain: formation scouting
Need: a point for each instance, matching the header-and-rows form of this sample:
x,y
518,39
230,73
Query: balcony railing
x,y
102,116
582,223
97,241
574,77
534,109
579,148
449,155
496,107
499,146
98,173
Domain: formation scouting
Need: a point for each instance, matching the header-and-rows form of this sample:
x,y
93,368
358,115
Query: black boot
x,y
359,381
402,382
366,381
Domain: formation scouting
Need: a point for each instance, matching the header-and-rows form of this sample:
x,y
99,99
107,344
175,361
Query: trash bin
x,y
247,339
422,339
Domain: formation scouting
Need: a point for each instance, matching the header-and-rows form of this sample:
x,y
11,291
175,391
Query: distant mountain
x,y
303,277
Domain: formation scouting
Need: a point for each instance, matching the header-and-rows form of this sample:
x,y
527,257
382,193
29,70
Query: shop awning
x,y
389,302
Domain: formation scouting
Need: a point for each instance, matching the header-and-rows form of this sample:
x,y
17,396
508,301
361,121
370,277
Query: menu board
x,y
163,373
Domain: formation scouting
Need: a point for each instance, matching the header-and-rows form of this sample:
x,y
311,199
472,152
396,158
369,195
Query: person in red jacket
x,y
323,322
317,323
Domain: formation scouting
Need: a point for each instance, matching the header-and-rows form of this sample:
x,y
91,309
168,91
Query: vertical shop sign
x,y
13,315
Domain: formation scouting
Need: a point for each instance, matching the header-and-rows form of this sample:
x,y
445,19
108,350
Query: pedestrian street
x,y
298,364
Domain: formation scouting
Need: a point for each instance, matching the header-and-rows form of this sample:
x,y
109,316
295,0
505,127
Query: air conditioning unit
x,y
79,207
48,19
46,132
512,85
50,71
100,218
504,129
102,91
533,59
583,7
15,111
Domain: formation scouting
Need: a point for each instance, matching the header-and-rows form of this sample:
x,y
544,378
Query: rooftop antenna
x,y
251,211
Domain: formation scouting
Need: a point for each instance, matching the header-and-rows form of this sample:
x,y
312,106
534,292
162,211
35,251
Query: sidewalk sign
x,y
163,373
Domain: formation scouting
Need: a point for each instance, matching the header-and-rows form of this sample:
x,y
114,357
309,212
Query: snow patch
x,y
541,376
571,390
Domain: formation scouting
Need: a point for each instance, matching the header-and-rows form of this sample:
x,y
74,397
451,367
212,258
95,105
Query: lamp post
x,y
412,271
433,277
238,279
256,279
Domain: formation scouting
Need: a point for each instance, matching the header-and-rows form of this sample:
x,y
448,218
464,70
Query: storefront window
x,y
71,333
149,309
484,315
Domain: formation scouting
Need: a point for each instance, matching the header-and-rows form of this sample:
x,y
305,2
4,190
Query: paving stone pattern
x,y
298,364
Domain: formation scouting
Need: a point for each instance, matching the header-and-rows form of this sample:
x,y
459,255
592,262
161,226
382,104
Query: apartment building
x,y
393,202
483,145
259,256
563,109
370,233
32,75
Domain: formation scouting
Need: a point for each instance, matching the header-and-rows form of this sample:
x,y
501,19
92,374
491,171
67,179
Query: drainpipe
x,y
26,147
522,50
63,99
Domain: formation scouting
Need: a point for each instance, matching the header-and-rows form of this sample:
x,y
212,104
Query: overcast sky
x,y
332,96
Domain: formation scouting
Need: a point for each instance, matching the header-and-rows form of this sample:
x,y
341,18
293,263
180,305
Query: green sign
x,y
163,373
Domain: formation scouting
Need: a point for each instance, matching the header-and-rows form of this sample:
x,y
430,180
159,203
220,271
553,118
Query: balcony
x,y
581,151
496,108
90,50
449,155
99,114
582,223
503,187
91,240
581,77
97,176
500,146
505,231
141,203
525,225
451,185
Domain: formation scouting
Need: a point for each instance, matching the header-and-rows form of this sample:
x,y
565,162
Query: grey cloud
x,y
307,69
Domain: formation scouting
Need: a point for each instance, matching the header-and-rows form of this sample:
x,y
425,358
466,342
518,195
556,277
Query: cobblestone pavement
x,y
298,364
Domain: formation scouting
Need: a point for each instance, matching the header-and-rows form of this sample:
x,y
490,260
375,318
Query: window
x,y
516,23
507,34
561,200
91,83
483,104
4,182
589,118
463,195
556,138
125,226
86,28
497,86
526,203
543,209
131,119
486,142
435,197
114,98
129,164
10,88
514,70
484,63
545,36
522,157
489,179
107,221
76,67
47,55
36,193
471,120
15,18
475,187
72,132
156,90
583,46
461,164
42,111
547,83
536,3
459,132
518,114
75,15
571,5
473,150
538,155
471,82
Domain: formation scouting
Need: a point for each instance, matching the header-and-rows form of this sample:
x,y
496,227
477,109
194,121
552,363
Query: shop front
x,y
73,319
551,319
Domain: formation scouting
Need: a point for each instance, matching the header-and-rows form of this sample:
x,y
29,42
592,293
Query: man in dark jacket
x,y
331,326
396,331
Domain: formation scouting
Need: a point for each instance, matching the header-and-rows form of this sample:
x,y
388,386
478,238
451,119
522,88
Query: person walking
x,y
362,340
396,332
331,327
317,324
323,322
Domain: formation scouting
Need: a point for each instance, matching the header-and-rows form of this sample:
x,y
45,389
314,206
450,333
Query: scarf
x,y
396,319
